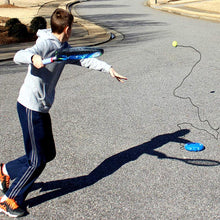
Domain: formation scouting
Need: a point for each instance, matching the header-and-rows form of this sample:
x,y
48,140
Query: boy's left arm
x,y
114,74
96,64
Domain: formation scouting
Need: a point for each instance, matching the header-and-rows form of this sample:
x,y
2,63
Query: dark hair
x,y
60,19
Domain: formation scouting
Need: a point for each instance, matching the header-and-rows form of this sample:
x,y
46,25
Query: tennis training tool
x,y
174,43
194,147
74,53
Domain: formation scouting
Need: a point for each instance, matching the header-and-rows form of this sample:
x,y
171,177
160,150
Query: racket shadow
x,y
57,188
197,162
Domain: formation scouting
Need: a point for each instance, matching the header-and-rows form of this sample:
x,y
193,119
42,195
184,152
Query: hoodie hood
x,y
46,34
48,43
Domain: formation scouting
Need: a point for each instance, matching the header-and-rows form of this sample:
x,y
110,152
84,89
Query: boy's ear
x,y
66,29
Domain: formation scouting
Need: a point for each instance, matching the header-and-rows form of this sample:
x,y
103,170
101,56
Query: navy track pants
x,y
39,149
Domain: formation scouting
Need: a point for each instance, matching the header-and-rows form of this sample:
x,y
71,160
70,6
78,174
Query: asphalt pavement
x,y
86,33
120,152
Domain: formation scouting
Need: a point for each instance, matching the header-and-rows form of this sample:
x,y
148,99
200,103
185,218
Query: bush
x,y
38,23
18,31
11,22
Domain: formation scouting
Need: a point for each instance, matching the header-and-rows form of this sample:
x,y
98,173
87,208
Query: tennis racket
x,y
74,53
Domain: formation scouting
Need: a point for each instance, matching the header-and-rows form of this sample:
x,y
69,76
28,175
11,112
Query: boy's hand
x,y
114,74
37,61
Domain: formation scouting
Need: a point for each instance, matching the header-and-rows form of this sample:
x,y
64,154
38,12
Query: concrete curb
x,y
181,8
96,34
104,34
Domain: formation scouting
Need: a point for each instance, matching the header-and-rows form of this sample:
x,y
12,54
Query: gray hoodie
x,y
38,90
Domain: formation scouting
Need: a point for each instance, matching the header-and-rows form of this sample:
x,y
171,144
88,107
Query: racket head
x,y
77,53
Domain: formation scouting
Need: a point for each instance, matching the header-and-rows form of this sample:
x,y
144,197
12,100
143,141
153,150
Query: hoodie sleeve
x,y
24,56
95,64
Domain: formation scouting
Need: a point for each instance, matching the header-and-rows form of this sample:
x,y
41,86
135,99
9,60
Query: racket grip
x,y
48,60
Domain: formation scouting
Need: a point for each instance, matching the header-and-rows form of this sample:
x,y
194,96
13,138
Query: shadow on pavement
x,y
127,24
59,188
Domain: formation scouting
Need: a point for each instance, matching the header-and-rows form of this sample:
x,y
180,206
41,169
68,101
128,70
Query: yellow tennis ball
x,y
174,43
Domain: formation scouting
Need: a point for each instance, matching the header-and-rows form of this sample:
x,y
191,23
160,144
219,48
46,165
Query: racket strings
x,y
190,99
79,50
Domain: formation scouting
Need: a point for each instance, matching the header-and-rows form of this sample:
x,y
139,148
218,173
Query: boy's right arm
x,y
28,57
23,57
31,55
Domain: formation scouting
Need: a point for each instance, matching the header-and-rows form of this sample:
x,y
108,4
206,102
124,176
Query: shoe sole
x,y
1,188
11,215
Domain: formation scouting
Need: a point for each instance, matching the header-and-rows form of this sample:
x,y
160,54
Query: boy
x,y
35,98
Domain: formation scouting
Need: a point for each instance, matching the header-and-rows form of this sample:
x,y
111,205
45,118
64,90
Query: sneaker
x,y
11,208
4,180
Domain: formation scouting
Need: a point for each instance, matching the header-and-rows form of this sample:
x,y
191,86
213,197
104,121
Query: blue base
x,y
194,147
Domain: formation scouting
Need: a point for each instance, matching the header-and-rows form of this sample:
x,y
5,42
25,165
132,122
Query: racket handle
x,y
48,60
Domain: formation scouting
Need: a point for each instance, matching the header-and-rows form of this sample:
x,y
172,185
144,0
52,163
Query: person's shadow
x,y
57,188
